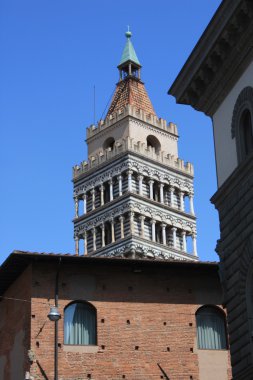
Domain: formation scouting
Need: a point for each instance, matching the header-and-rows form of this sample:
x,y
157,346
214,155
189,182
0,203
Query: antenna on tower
x,y
94,104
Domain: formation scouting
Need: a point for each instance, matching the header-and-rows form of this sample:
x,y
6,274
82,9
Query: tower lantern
x,y
129,64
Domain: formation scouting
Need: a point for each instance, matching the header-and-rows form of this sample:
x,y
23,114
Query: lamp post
x,y
54,316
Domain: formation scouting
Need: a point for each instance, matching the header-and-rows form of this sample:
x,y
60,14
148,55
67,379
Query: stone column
x,y
129,178
94,239
102,234
131,217
194,244
151,190
174,234
102,197
181,195
153,222
120,184
111,189
84,203
183,234
93,198
142,219
172,196
112,230
164,233
191,204
140,179
77,245
85,243
161,185
121,219
76,207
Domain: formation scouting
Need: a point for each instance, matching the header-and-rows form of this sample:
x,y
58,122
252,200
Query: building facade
x,y
135,301
144,319
217,79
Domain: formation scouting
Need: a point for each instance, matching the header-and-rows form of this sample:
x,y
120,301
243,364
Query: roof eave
x,y
194,64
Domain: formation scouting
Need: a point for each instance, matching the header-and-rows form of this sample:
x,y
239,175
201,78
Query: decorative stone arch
x,y
243,106
187,187
169,220
167,178
153,142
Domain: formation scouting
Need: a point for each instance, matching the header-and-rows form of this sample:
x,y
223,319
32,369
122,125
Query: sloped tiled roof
x,y
133,92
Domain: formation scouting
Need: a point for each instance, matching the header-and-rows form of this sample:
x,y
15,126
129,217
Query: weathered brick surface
x,y
15,317
152,309
144,317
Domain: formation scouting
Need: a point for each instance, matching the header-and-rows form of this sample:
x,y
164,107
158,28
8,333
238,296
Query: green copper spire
x,y
129,52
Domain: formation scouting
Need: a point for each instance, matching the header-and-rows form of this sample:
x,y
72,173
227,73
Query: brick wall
x,y
15,328
144,317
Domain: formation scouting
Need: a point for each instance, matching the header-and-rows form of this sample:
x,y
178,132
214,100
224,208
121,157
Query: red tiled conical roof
x,y
133,92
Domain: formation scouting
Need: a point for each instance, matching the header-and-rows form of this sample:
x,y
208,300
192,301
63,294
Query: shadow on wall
x,y
135,283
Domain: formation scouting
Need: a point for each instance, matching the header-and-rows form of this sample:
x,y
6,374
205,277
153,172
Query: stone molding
x,y
219,58
126,111
244,101
139,167
154,129
136,248
134,206
234,181
129,145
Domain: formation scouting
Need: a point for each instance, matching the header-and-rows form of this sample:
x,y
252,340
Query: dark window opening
x,y
153,142
246,130
108,233
109,143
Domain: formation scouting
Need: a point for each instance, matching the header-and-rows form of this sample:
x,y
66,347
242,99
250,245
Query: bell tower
x,y
134,196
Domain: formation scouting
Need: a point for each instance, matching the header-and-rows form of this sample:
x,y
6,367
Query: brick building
x,y
135,301
145,318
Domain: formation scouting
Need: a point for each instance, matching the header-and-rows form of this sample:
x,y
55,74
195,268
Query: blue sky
x,y
52,55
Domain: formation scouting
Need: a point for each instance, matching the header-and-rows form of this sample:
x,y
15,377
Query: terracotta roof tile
x,y
133,92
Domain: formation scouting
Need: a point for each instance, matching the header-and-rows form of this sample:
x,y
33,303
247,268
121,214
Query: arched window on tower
x,y
242,124
153,142
80,324
211,328
246,133
109,143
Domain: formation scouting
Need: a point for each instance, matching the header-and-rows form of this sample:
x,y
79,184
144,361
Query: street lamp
x,y
54,316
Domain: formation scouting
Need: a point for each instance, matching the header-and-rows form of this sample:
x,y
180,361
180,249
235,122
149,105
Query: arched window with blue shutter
x,y
211,328
80,324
